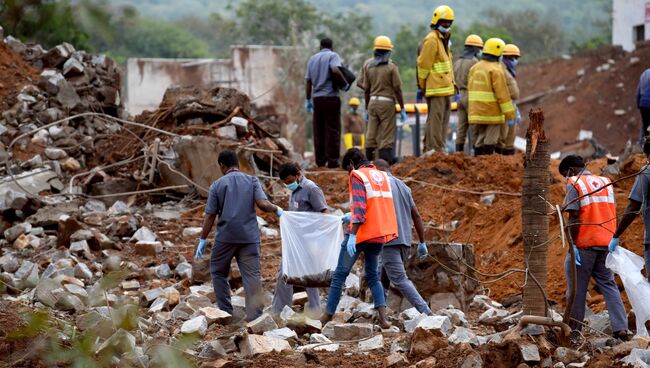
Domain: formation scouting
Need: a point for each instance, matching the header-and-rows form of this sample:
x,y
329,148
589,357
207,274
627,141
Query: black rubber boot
x,y
370,153
478,151
498,150
386,154
508,152
488,150
460,147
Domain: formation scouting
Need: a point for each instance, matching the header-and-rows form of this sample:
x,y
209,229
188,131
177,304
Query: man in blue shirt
x,y
233,198
643,100
321,69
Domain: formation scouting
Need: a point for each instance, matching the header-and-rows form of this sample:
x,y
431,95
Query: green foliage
x,y
48,22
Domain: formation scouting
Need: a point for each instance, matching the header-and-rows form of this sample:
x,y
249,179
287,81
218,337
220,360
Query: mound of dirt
x,y
594,91
15,73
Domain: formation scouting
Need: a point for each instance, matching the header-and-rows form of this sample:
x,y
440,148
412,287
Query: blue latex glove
x,y
365,116
279,211
518,118
346,218
419,96
613,244
457,97
422,250
351,245
309,106
200,248
575,250
510,123
402,115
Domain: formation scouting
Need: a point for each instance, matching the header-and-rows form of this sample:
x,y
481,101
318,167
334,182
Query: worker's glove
x,y
351,245
422,250
419,96
575,250
346,218
510,123
309,106
518,118
200,248
402,115
279,211
346,87
613,244
366,116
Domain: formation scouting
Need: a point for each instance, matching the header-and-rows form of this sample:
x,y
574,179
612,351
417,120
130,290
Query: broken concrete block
x,y
82,271
173,295
130,285
287,313
227,132
15,199
439,325
27,275
80,248
318,347
284,333
12,233
304,324
192,231
56,56
149,248
163,271
149,296
9,263
529,352
195,325
143,234
456,316
351,331
120,343
462,335
184,270
252,345
317,338
262,324
44,292
215,315
493,316
67,96
159,305
425,343
374,343
72,67
299,298
412,324
50,80
76,290
396,360
183,312
212,350
638,358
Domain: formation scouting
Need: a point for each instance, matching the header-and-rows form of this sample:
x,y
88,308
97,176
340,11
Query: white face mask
x,y
444,29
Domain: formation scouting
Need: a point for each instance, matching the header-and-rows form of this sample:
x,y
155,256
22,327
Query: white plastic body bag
x,y
628,266
311,243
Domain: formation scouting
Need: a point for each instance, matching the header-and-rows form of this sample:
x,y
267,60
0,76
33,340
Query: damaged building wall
x,y
268,74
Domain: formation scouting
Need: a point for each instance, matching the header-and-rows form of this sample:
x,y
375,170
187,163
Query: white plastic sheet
x,y
311,243
628,266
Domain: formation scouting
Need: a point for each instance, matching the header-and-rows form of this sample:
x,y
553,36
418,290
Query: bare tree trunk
x,y
534,209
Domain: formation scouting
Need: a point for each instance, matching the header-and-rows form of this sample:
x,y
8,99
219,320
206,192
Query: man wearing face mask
x,y
471,55
506,145
436,77
382,87
592,220
306,196
233,198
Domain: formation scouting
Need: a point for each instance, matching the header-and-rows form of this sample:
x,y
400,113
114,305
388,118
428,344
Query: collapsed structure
x,y
99,216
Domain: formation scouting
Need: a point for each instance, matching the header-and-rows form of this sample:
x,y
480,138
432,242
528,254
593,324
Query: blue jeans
x,y
371,253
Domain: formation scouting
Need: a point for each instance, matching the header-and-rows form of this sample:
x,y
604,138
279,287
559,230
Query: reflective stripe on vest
x,y
482,96
507,107
372,192
441,67
597,214
442,91
492,119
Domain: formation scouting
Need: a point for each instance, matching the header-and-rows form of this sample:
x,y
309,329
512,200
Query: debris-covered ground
x,y
99,216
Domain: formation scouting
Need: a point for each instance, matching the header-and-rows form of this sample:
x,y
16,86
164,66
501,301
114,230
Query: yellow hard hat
x,y
354,101
474,40
494,46
511,50
443,12
383,43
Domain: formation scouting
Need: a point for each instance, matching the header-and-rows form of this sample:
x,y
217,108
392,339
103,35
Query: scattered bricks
x,y
148,248
15,231
425,343
284,333
567,356
195,325
72,67
396,360
212,350
184,270
529,352
439,325
262,324
55,153
215,315
462,335
131,285
149,296
351,331
374,343
252,345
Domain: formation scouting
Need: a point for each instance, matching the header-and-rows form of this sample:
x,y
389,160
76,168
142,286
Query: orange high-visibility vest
x,y
381,221
597,212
